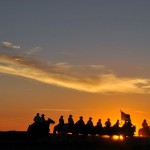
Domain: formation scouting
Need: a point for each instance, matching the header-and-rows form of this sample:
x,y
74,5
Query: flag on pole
x,y
124,116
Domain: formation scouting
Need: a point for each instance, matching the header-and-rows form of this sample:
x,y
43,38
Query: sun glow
x,y
118,137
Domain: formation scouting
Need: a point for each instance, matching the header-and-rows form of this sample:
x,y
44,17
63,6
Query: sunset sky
x,y
79,57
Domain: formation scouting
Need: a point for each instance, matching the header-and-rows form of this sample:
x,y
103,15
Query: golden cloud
x,y
64,75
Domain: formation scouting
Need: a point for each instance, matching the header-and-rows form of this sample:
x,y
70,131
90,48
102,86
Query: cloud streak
x,y
10,45
67,76
34,50
50,109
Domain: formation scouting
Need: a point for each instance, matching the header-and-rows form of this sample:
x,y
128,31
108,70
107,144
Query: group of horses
x,y
42,130
94,130
39,130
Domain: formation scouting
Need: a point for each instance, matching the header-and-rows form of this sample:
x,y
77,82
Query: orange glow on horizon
x,y
118,137
27,98
24,122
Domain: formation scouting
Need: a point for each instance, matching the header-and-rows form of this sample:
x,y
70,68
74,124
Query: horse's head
x,y
50,121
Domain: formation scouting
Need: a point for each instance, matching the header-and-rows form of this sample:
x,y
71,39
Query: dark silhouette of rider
x,y
145,131
71,123
70,120
89,126
61,121
99,123
144,124
117,124
37,118
90,123
80,122
108,123
127,124
99,127
42,118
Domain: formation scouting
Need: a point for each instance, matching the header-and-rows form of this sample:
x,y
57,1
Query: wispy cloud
x,y
141,112
12,49
57,74
34,50
98,66
10,45
49,109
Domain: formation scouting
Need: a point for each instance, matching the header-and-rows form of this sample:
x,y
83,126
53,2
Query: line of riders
x,y
80,127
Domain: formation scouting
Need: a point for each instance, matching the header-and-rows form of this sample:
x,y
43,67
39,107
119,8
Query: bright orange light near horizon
x,y
118,137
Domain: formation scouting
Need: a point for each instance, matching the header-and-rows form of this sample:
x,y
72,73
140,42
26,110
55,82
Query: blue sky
x,y
79,32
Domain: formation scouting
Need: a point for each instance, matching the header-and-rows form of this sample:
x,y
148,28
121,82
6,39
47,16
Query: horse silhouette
x,y
144,132
65,129
94,130
39,130
74,129
124,131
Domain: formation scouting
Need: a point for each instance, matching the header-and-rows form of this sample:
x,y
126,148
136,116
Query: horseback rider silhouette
x,y
108,127
80,125
37,118
99,127
144,124
99,123
117,124
42,118
80,122
70,120
61,122
127,124
146,131
108,123
89,126
70,123
116,129
39,130
90,123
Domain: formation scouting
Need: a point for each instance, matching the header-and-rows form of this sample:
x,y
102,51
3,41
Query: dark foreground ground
x,y
19,141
